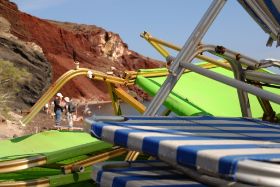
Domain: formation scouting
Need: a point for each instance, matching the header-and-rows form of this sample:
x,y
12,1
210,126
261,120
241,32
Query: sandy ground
x,y
11,128
42,122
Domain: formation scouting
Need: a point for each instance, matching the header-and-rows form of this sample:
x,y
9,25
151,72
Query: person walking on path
x,y
58,108
70,109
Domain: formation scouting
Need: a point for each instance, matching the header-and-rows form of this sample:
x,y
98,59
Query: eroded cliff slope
x,y
48,49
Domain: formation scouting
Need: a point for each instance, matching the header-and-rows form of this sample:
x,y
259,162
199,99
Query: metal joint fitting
x,y
269,42
145,34
78,168
270,117
278,40
237,57
169,59
220,49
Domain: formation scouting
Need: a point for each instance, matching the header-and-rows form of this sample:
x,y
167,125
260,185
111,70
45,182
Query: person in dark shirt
x,y
58,108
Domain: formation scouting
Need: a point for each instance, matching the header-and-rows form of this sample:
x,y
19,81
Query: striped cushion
x,y
215,145
140,174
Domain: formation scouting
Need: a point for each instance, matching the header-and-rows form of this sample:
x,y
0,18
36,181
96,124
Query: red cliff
x,y
62,43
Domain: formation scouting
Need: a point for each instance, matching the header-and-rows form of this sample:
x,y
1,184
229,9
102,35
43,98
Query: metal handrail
x,y
96,75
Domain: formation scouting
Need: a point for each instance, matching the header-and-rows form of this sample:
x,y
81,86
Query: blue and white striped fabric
x,y
139,174
210,144
266,13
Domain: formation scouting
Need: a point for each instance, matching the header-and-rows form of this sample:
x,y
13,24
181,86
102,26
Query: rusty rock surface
x,y
63,43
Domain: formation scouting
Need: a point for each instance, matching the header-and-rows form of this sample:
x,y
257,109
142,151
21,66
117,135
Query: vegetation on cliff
x,y
11,81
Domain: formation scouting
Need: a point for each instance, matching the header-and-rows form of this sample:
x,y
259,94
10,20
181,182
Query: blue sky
x,y
171,20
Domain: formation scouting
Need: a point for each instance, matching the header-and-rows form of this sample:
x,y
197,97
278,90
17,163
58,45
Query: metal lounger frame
x,y
183,60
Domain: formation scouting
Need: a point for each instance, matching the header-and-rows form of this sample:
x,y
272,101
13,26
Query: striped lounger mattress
x,y
241,149
139,174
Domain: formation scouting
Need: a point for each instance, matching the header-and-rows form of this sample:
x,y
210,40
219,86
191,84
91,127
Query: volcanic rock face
x,y
64,43
25,55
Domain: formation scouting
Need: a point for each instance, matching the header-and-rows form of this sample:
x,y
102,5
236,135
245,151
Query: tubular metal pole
x,y
262,77
242,95
221,50
244,60
241,58
186,54
206,21
232,82
238,74
236,59
269,114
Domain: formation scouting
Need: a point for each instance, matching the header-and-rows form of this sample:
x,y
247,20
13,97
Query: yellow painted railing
x,y
96,75
130,100
158,43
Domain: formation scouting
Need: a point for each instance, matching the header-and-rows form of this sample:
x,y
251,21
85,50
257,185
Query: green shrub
x,y
11,78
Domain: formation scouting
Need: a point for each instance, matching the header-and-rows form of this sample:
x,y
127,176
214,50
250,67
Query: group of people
x,y
61,104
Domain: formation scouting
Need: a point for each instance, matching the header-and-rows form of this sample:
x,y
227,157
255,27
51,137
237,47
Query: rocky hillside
x,y
25,55
48,49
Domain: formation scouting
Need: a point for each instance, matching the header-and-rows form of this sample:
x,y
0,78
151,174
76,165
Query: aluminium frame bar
x,y
269,114
234,65
237,72
186,54
242,95
262,77
250,62
238,75
232,82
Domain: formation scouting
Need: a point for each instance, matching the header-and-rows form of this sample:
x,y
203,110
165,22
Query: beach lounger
x,y
240,149
140,174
